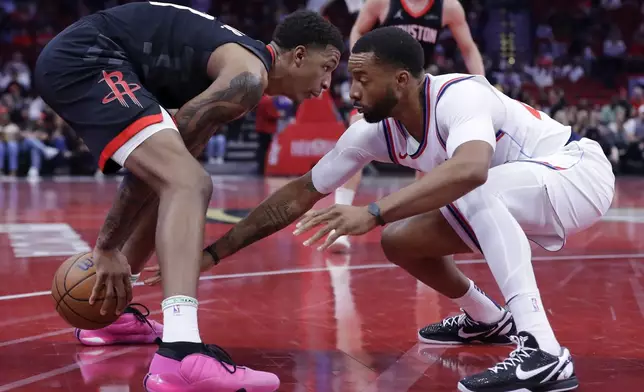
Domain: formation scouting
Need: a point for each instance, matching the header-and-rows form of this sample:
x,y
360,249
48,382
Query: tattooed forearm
x,y
224,101
278,211
132,195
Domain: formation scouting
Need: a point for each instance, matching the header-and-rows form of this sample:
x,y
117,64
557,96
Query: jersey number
x,y
532,110
194,11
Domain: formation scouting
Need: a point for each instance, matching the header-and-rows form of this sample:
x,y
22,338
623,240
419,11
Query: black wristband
x,y
210,249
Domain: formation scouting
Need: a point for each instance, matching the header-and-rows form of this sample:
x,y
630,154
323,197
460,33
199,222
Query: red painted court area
x,y
321,322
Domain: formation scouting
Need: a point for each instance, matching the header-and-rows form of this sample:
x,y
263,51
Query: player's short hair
x,y
394,46
307,28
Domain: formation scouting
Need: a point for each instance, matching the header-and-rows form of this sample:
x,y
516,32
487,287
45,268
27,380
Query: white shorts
x,y
551,197
121,155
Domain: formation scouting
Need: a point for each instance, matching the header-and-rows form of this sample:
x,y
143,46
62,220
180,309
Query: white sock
x,y
344,196
134,278
530,316
180,319
479,306
507,252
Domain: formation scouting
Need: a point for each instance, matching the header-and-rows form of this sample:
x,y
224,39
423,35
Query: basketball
x,y
71,289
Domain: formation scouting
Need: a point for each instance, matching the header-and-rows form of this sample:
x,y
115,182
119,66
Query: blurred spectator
x,y
8,143
216,148
572,44
613,55
269,111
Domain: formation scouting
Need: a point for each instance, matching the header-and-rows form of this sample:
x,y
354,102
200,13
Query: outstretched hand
x,y
338,220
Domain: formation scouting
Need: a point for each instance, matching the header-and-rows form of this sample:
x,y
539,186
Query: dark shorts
x,y
87,79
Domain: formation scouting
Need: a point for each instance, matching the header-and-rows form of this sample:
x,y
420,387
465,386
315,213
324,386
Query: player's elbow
x,y
473,173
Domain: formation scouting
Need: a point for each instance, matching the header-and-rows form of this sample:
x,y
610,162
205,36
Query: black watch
x,y
375,211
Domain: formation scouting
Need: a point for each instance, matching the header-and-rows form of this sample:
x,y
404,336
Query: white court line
x,y
354,267
63,370
36,337
69,330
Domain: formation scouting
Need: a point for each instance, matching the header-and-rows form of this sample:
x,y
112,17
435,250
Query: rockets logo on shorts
x,y
119,89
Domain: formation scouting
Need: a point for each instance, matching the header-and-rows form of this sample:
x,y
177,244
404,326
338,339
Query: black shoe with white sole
x,y
462,329
528,369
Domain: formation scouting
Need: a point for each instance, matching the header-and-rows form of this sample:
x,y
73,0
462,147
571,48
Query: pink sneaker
x,y
132,327
195,367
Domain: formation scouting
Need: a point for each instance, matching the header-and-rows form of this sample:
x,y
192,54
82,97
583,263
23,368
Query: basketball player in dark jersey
x,y
424,20
112,76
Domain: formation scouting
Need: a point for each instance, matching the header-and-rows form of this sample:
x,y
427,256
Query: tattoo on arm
x,y
132,195
278,211
222,102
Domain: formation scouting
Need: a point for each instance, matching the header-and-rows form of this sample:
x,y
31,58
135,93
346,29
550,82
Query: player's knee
x,y
390,241
186,175
199,182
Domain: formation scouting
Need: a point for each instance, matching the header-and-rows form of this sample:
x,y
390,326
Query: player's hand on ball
x,y
112,280
338,220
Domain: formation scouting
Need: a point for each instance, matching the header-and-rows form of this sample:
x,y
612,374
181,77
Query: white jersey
x,y
458,108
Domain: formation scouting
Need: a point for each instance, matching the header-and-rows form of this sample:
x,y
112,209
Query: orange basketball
x,y
71,289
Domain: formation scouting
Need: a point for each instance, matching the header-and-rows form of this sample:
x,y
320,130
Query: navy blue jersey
x,y
169,46
425,26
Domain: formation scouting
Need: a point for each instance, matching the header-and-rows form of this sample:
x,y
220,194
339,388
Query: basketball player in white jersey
x,y
424,20
497,174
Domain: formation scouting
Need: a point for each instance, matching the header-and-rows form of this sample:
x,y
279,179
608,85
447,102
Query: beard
x,y
382,108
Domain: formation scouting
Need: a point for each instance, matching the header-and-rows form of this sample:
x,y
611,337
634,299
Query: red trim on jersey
x,y
391,145
272,52
420,13
126,135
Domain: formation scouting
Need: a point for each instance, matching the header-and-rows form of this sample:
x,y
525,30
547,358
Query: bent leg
x,y
495,230
140,245
423,246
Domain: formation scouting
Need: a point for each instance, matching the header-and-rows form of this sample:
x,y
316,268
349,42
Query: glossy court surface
x,y
321,322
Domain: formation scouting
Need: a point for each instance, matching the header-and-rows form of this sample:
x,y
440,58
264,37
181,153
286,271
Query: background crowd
x,y
580,61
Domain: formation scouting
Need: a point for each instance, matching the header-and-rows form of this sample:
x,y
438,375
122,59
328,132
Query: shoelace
x,y
454,321
461,319
516,357
222,356
139,315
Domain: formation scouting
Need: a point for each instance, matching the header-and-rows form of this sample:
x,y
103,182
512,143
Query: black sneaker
x,y
462,329
527,369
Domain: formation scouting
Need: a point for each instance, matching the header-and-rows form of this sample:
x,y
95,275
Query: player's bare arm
x,y
278,211
275,213
359,145
454,17
459,175
237,88
371,12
